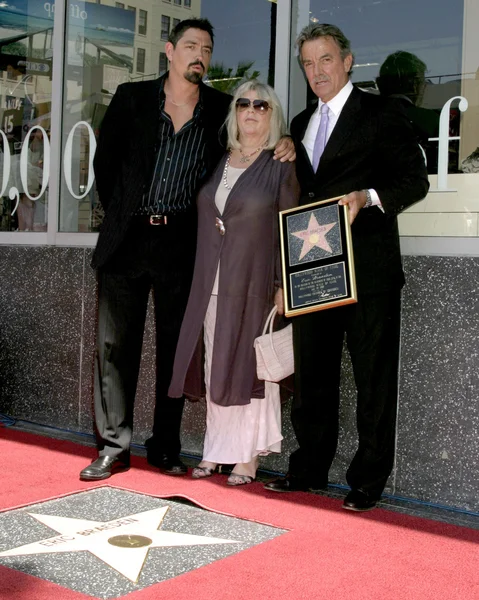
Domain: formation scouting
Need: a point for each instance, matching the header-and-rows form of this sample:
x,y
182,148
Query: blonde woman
x,y
236,280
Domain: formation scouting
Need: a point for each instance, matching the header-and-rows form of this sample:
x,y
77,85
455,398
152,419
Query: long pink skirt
x,y
236,434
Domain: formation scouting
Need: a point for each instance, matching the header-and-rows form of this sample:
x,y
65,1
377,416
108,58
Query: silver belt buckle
x,y
158,219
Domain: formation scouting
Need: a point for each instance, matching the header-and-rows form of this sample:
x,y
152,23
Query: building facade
x,y
60,64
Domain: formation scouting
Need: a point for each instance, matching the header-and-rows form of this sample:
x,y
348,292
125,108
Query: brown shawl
x,y
250,270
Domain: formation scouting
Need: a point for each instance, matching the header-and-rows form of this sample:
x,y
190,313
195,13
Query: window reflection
x,y
116,43
142,22
165,27
413,50
402,75
140,60
26,51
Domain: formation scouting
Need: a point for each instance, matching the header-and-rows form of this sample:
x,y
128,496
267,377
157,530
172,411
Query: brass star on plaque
x,y
314,235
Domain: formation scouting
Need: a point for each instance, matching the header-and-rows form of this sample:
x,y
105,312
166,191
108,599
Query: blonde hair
x,y
277,126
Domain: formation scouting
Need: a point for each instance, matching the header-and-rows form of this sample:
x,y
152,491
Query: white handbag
x,y
274,351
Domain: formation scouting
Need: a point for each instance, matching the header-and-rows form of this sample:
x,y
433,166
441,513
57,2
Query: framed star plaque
x,y
317,257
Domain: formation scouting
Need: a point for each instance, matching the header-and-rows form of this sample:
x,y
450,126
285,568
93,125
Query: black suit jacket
x,y
371,146
126,151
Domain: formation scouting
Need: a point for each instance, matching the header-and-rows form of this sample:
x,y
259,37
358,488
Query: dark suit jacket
x,y
371,146
126,151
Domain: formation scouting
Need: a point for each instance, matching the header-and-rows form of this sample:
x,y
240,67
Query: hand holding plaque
x,y
317,257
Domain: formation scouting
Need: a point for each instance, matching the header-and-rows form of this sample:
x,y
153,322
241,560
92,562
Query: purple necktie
x,y
320,141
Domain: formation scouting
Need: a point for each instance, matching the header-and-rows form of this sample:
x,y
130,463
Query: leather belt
x,y
155,220
162,220
158,219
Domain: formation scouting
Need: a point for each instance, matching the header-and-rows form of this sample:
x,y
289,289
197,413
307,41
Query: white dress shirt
x,y
335,107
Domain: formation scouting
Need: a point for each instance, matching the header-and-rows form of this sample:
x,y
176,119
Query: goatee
x,y
193,77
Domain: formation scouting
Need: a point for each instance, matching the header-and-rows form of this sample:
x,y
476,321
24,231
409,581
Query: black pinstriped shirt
x,y
179,164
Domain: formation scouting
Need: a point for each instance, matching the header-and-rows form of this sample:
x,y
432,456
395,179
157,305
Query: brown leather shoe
x,y
103,467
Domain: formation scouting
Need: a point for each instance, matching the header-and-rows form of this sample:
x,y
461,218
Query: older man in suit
x,y
362,147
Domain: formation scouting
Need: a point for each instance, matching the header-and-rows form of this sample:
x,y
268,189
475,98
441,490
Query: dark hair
x,y
402,73
195,23
319,30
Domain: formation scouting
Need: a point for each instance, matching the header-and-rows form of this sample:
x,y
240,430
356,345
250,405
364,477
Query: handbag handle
x,y
269,322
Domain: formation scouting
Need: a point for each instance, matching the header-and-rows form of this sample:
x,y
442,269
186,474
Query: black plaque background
x,y
346,256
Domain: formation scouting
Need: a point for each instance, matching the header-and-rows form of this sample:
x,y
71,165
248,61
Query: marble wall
x,y
47,330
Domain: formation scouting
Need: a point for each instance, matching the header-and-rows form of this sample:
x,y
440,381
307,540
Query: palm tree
x,y
223,79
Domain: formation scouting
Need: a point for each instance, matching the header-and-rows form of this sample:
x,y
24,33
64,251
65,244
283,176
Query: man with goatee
x,y
158,142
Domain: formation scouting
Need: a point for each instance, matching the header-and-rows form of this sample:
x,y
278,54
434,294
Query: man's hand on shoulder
x,y
355,201
285,150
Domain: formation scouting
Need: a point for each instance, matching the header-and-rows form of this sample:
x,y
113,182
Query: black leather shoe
x,y
359,501
103,467
290,483
168,465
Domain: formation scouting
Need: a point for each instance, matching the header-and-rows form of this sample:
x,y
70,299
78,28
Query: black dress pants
x,y
151,257
372,328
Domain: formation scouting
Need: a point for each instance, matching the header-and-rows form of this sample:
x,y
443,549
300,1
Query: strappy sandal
x,y
237,479
202,472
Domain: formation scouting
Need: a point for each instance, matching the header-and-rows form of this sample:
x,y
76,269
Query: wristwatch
x,y
369,200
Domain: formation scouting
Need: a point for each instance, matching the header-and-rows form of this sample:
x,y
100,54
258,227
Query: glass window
x,y
26,61
103,52
140,60
424,62
133,10
100,41
119,5
187,3
243,48
165,27
175,22
142,22
401,51
177,2
163,65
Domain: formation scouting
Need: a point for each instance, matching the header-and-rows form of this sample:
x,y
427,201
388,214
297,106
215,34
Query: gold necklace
x,y
245,157
183,103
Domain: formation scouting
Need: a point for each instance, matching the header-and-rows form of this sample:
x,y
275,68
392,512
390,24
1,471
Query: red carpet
x,y
329,553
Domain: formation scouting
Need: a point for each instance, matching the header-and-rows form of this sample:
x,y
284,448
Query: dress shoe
x,y
359,501
168,465
290,483
104,467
